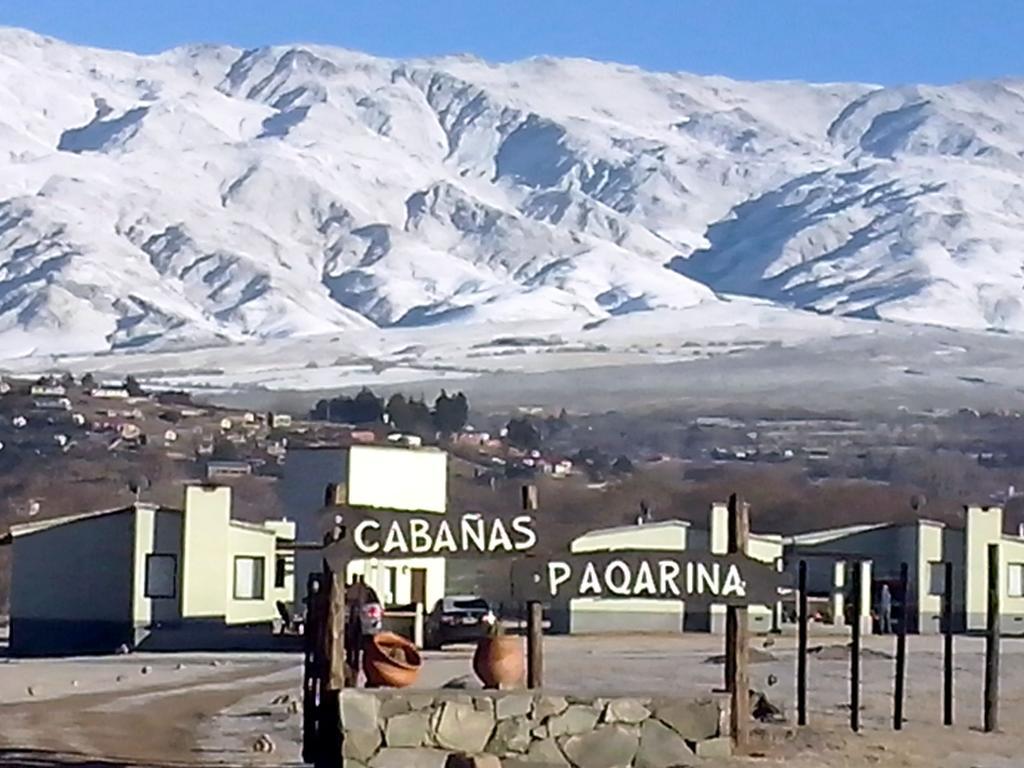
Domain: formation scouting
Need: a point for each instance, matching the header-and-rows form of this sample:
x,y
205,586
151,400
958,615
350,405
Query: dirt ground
x,y
172,710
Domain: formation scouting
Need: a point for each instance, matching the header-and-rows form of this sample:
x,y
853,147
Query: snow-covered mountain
x,y
211,194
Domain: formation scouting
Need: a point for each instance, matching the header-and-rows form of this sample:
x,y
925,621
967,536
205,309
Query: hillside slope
x,y
210,195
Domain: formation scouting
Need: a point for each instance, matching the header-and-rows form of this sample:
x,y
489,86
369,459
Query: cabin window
x,y
1016,578
937,578
161,576
249,578
280,572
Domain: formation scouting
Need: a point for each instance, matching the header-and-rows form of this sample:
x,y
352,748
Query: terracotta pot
x,y
498,661
391,661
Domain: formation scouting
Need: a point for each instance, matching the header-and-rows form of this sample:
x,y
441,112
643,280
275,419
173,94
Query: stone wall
x,y
423,729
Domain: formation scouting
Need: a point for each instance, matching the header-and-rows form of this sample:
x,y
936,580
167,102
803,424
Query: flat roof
x,y
24,529
812,538
635,527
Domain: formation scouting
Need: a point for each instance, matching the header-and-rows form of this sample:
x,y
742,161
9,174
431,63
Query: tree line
x,y
448,415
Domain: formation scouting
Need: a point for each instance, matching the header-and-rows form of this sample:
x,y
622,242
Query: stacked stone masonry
x,y
433,729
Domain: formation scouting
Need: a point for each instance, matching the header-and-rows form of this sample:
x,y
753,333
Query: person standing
x,y
885,614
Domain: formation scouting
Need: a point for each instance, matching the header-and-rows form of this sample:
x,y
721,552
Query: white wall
x,y
378,576
596,614
388,477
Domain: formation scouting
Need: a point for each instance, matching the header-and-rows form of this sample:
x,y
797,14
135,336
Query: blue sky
x,y
885,41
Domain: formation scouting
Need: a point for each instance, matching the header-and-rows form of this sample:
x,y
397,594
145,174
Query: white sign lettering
x,y
408,534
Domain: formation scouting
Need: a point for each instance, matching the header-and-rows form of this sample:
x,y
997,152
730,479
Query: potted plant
x,y
390,660
498,660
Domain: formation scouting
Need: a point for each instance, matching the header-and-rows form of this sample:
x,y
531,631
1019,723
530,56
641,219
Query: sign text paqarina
x,y
669,575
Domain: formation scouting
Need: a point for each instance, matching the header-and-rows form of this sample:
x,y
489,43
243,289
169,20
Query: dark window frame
x,y
262,582
280,571
147,589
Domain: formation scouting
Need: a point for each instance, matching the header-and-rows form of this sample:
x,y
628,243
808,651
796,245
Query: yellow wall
x,y
250,542
157,531
145,526
1012,608
929,550
984,527
284,530
206,568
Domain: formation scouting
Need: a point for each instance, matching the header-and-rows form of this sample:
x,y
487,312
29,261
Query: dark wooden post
x,y
335,629
312,670
535,645
855,649
333,639
947,656
801,650
737,629
992,638
901,650
534,611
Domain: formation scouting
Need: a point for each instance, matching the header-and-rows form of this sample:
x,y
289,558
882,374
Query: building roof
x,y
633,527
813,538
24,529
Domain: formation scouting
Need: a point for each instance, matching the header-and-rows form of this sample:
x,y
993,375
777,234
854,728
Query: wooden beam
x,y
901,650
535,645
332,641
992,643
857,585
801,652
311,674
737,629
335,629
947,647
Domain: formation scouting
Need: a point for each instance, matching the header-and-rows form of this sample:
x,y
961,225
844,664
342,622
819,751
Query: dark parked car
x,y
457,619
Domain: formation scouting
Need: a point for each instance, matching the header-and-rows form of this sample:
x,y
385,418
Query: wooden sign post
x,y
901,650
992,642
947,647
855,629
801,648
697,578
535,644
737,634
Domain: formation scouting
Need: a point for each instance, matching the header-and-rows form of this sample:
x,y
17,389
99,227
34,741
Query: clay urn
x,y
390,661
498,660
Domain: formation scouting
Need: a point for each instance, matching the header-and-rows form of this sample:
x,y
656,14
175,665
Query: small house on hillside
x,y
148,577
109,393
47,390
227,469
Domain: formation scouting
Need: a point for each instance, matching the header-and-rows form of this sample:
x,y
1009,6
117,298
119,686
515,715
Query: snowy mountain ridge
x,y
209,194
